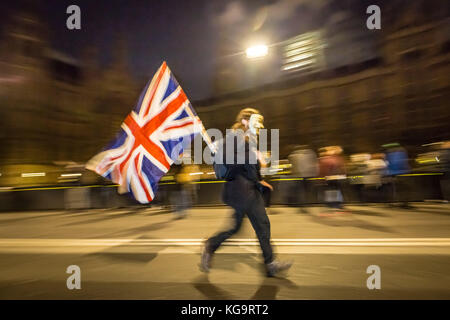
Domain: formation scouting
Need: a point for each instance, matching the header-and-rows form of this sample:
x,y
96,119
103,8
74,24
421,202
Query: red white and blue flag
x,y
151,138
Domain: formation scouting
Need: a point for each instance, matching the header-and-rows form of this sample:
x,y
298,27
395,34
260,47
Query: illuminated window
x,y
303,53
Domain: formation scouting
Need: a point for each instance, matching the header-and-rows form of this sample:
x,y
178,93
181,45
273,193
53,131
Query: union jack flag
x,y
151,138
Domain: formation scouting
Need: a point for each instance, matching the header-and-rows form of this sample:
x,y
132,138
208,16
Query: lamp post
x,y
257,51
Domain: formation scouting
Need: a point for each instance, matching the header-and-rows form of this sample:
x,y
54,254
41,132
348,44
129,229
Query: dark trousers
x,y
399,191
267,195
445,186
307,189
301,192
252,204
337,196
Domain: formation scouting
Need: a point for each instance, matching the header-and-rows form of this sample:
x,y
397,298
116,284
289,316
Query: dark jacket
x,y
397,161
243,178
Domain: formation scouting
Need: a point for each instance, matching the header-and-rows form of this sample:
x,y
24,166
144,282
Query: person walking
x,y
397,164
444,159
184,196
304,166
242,191
332,168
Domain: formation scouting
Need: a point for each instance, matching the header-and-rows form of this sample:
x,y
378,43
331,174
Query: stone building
x,y
55,108
393,88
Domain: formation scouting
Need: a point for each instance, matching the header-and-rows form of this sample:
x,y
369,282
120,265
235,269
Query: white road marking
x,y
329,246
231,242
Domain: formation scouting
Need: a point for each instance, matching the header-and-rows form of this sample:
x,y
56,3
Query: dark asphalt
x,y
147,254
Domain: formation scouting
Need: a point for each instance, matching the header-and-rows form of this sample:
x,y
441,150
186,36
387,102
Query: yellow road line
x,y
201,182
421,174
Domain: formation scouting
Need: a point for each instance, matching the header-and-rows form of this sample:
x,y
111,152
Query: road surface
x,y
130,253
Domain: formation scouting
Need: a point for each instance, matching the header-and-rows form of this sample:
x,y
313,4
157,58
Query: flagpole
x,y
203,132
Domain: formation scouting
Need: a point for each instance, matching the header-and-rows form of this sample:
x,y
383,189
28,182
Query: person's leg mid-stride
x,y
260,222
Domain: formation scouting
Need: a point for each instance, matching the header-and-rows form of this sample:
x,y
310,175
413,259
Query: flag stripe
x,y
153,88
147,193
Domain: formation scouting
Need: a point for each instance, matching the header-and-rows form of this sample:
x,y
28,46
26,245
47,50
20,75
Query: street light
x,y
257,51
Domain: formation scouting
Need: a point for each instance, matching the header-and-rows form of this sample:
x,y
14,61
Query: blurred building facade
x,y
55,108
358,88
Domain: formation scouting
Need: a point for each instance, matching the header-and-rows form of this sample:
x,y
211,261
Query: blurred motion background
x,y
326,80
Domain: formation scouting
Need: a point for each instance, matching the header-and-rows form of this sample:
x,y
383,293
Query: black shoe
x,y
277,266
205,263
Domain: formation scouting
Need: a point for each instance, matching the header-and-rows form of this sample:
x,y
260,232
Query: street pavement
x,y
147,253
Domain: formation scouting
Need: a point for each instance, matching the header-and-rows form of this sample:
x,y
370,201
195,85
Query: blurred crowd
x,y
321,176
366,171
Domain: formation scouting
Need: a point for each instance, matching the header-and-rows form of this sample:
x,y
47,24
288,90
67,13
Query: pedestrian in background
x,y
397,164
183,195
332,168
444,159
376,170
358,170
304,166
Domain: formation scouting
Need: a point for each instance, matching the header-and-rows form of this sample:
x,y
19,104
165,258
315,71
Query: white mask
x,y
255,123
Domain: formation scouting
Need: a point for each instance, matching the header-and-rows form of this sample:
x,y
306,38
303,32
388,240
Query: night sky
x,y
179,32
183,33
